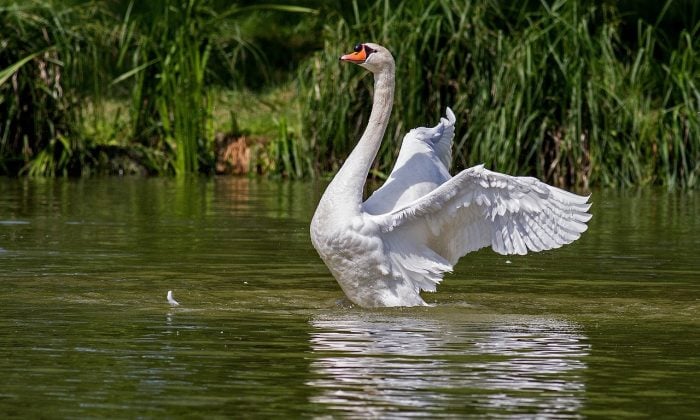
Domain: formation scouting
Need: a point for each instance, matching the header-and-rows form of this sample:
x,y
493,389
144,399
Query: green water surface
x,y
606,327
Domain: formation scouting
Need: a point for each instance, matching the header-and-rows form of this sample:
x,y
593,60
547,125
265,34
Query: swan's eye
x,y
358,48
369,50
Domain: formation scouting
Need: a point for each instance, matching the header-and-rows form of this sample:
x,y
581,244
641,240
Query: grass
x,y
257,111
272,119
39,109
63,65
578,93
549,90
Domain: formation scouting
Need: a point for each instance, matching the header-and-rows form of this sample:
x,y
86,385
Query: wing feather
x,y
478,208
428,220
422,165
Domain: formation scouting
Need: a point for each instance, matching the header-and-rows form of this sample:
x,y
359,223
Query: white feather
x,y
172,300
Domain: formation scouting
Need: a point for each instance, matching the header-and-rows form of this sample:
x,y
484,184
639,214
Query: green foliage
x,y
171,112
287,155
170,45
57,59
547,89
40,61
574,92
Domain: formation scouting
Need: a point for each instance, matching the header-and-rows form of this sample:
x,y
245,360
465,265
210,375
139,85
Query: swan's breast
x,y
355,253
354,239
352,250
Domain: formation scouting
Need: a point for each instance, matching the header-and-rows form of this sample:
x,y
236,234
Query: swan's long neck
x,y
349,182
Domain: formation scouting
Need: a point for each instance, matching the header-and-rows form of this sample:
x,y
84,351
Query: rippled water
x,y
606,327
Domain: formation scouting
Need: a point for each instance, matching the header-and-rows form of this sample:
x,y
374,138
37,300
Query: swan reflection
x,y
398,365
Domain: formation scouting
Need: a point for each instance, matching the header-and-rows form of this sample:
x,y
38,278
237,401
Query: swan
x,y
412,230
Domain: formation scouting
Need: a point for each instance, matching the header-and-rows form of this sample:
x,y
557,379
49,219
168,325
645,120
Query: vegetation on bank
x,y
574,92
122,87
550,89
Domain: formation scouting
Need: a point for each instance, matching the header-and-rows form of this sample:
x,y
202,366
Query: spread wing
x,y
511,214
422,165
475,209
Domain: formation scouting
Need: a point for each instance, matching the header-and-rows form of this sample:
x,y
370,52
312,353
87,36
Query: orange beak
x,y
355,57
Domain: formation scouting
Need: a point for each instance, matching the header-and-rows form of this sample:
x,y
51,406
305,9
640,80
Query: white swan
x,y
413,229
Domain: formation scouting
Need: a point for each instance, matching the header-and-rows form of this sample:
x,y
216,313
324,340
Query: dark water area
x,y
608,326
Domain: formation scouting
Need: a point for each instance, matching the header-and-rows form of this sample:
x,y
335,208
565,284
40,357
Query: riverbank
x,y
574,93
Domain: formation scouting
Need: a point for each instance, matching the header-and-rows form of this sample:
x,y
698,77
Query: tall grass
x,y
169,47
40,102
167,50
61,63
549,90
571,91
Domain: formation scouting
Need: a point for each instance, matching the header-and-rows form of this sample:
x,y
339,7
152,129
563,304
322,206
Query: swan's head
x,y
373,57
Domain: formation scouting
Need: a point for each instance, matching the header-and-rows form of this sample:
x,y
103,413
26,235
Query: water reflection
x,y
403,365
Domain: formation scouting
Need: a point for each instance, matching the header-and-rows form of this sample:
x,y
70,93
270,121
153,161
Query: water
x,y
606,327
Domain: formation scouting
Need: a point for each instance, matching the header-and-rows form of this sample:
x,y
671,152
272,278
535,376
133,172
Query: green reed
x,y
552,89
108,86
549,90
42,50
168,49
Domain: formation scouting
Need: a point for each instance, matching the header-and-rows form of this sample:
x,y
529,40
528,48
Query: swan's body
x,y
413,229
